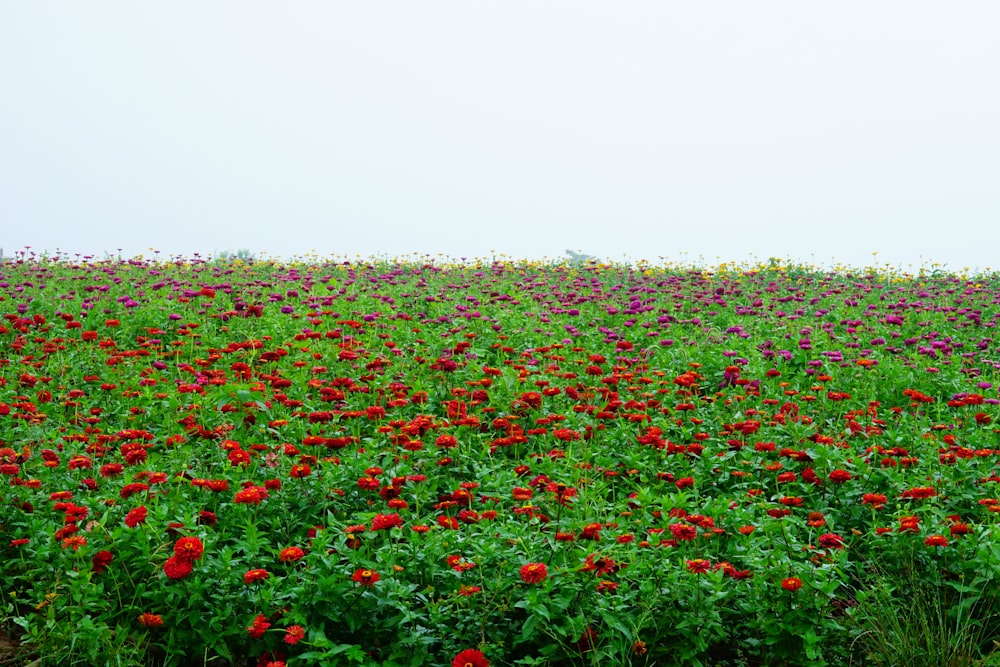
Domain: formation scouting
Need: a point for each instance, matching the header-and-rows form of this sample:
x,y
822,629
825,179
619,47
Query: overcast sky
x,y
697,132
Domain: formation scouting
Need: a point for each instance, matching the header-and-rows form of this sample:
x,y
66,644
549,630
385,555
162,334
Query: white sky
x,y
697,132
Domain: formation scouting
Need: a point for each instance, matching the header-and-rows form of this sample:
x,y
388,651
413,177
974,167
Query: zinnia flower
x,y
301,470
791,584
101,560
534,573
259,626
936,541
74,541
470,657
255,575
386,521
136,516
148,620
189,549
177,568
698,565
365,577
294,634
683,532
839,476
831,541
291,554
252,495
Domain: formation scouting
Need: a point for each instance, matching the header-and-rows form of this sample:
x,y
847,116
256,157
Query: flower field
x,y
503,463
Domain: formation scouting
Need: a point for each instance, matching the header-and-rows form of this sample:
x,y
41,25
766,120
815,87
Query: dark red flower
x,y
101,560
177,568
831,541
136,516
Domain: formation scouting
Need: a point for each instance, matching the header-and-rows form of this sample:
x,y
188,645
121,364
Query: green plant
x,y
909,616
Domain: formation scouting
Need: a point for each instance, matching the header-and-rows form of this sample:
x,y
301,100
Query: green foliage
x,y
764,466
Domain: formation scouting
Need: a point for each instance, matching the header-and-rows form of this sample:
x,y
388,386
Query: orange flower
x,y
148,620
74,541
791,584
255,575
291,554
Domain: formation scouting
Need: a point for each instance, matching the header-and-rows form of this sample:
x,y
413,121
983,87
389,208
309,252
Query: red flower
x,y
260,625
831,541
74,541
698,566
592,531
365,577
936,541
136,516
132,489
534,573
291,554
300,471
601,565
470,657
791,584
607,587
683,532
386,521
189,549
255,575
959,528
876,500
294,634
919,492
840,476
101,560
177,568
148,620
252,495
